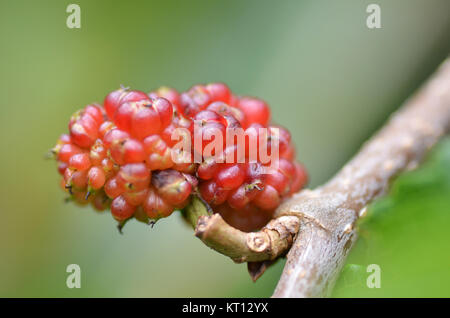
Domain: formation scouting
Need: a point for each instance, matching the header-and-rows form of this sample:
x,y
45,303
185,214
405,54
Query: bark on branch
x,y
321,222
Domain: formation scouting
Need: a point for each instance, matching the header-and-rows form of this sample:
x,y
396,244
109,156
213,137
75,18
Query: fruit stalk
x,y
267,244
195,209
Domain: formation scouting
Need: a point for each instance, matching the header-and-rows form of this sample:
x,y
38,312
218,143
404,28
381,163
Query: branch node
x,y
258,242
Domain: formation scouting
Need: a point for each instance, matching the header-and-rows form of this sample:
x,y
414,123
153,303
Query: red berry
x,y
114,99
168,93
255,173
144,118
127,151
207,127
283,136
194,100
109,167
278,181
96,178
97,153
68,173
136,197
113,189
81,197
80,161
172,186
247,219
252,138
255,111
212,193
124,113
115,136
208,169
185,167
243,195
145,121
268,198
133,96
158,155
155,207
134,176
230,177
62,166
238,198
105,127
219,92
287,168
96,112
100,201
170,132
121,209
226,110
77,179
67,151
83,129
82,135
165,111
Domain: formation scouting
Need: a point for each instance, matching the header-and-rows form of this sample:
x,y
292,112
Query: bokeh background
x,y
328,78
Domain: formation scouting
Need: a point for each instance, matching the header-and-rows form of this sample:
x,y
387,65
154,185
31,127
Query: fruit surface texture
x,y
144,155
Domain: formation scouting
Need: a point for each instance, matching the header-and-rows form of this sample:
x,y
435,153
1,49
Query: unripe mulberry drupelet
x,y
123,156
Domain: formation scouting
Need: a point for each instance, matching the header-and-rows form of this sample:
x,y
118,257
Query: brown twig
x,y
267,244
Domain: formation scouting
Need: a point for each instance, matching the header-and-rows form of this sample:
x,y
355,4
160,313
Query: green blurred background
x,y
328,78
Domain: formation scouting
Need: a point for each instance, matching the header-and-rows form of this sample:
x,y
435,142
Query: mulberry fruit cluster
x,y
123,156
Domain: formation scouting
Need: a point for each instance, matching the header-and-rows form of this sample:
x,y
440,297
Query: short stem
x,y
195,209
